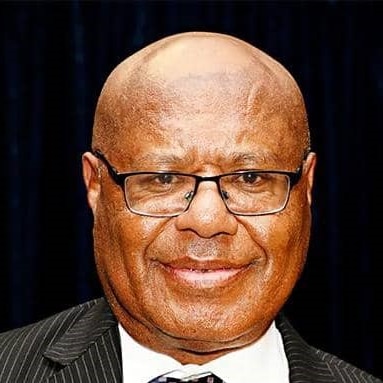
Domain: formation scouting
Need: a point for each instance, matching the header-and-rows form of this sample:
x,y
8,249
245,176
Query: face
x,y
205,281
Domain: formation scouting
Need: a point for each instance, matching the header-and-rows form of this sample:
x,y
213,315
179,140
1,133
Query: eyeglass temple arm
x,y
116,176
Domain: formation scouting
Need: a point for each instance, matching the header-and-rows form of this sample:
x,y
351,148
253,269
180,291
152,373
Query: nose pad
x,y
207,214
189,196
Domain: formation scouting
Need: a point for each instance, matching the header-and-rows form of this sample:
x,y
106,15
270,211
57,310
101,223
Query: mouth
x,y
203,276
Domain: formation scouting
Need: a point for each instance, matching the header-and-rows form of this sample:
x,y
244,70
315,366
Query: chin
x,y
209,334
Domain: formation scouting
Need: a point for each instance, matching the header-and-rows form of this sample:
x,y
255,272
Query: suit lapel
x,y
304,364
89,351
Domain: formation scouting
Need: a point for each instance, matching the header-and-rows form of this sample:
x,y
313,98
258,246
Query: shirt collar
x,y
263,361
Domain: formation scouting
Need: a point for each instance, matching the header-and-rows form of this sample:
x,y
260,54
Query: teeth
x,y
205,277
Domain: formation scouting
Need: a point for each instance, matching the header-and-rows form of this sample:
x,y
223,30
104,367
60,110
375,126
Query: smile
x,y
204,277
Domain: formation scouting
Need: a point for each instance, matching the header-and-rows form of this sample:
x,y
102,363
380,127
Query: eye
x,y
164,178
250,178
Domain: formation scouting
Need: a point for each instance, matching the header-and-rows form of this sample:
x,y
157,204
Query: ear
x,y
310,164
90,173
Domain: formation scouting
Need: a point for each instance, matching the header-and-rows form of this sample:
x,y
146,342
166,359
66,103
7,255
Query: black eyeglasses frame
x,y
119,178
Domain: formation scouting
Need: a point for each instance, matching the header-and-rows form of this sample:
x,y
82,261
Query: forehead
x,y
206,108
206,115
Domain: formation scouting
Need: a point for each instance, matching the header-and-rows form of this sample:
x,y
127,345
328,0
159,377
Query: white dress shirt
x,y
262,362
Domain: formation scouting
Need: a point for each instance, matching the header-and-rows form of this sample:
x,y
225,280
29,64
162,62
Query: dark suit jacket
x,y
82,345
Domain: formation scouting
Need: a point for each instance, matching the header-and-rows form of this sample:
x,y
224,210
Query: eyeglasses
x,y
168,194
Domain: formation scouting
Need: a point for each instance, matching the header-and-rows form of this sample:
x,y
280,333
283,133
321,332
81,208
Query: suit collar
x,y
304,363
90,350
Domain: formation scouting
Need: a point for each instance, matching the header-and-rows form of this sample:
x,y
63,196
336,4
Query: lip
x,y
205,275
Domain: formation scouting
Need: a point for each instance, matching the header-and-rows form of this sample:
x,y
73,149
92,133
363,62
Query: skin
x,y
207,282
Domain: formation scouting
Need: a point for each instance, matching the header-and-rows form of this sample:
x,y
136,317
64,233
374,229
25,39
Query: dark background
x,y
55,57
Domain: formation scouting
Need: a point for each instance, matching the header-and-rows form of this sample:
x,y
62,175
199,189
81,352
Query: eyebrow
x,y
162,159
257,159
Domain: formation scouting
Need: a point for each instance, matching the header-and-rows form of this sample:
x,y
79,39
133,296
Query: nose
x,y
207,214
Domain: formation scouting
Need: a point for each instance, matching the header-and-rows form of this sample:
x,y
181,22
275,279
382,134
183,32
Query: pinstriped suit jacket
x,y
81,345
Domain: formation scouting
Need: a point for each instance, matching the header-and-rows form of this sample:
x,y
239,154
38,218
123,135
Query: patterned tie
x,y
210,378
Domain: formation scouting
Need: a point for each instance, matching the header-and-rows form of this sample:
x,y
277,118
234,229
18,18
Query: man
x,y
200,182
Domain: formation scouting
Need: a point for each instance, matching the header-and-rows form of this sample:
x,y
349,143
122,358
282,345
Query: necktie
x,y
210,378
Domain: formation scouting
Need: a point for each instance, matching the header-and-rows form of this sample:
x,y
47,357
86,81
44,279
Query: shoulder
x,y
344,371
308,363
22,350
47,329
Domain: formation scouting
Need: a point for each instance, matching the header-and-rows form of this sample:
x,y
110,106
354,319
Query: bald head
x,y
185,68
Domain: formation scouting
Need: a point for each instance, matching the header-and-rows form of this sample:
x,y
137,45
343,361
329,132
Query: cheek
x,y
284,238
288,231
120,242
116,228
